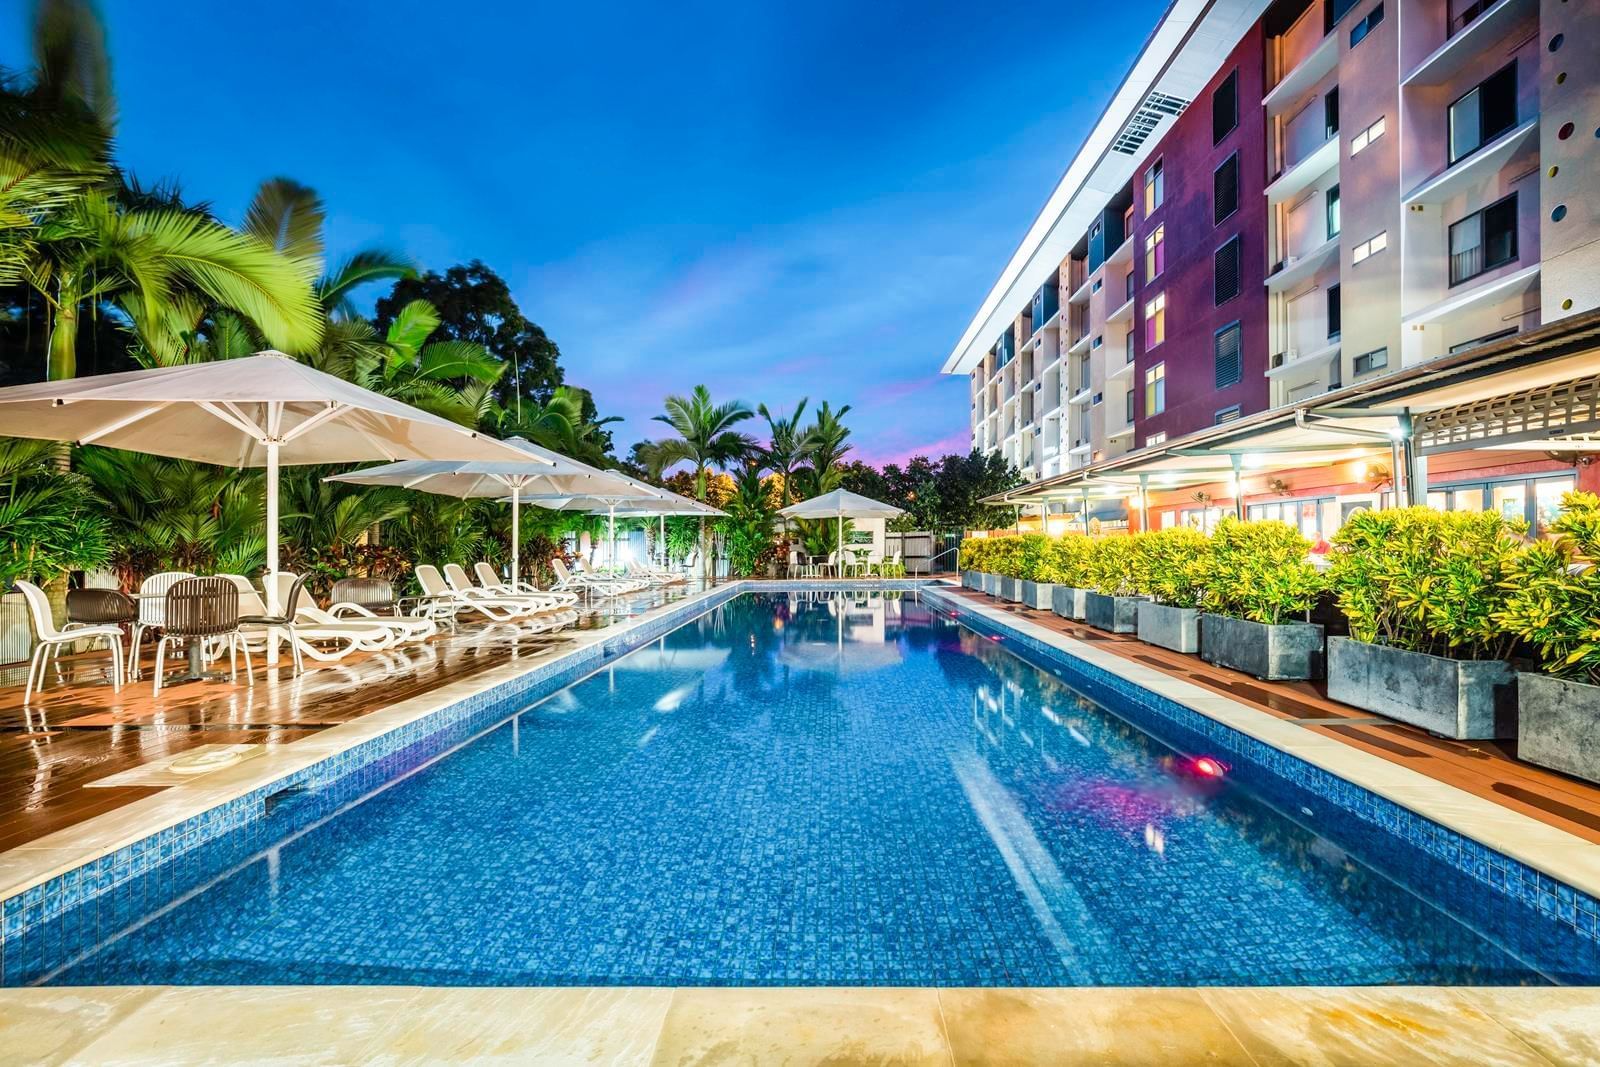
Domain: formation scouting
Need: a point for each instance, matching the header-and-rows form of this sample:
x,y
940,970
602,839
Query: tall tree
x,y
825,447
476,305
706,439
786,444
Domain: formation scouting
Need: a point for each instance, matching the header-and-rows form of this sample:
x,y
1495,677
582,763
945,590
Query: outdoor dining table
x,y
194,650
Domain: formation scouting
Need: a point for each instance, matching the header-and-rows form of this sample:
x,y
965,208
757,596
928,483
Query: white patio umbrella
x,y
663,503
263,410
841,504
539,476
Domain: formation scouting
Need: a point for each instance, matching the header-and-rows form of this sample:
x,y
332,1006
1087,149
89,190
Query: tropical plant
x,y
825,447
1425,580
171,514
452,379
1035,557
1171,565
1112,566
53,524
1260,571
1066,561
1553,592
706,439
786,445
748,531
559,424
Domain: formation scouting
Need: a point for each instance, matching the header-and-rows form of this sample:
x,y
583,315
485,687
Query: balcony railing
x,y
1467,15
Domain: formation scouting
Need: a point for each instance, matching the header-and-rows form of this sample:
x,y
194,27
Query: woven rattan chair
x,y
202,609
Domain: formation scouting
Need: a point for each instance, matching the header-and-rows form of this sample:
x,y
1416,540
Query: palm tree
x,y
559,424
453,379
706,438
78,245
825,446
786,444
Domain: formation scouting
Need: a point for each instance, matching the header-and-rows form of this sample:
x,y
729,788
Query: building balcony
x,y
1470,297
1121,314
1304,172
1298,269
1122,256
1117,369
1489,30
1081,397
1081,345
1302,76
1293,363
1080,295
1476,168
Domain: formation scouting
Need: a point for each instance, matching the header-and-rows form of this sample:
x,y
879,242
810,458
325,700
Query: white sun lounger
x,y
490,582
539,604
625,585
402,628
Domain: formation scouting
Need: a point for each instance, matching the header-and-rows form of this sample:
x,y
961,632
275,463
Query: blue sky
x,y
775,200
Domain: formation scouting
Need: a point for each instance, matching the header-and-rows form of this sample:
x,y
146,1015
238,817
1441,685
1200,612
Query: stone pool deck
x,y
624,1026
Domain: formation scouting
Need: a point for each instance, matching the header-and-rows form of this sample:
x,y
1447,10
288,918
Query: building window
x,y
1155,188
1333,313
1366,25
1226,356
1155,390
1370,247
1155,253
1483,113
1130,405
1129,286
1099,340
1225,272
1227,414
1330,113
1095,288
1333,11
1367,362
1485,339
1367,136
1225,189
1155,321
1333,212
1483,240
1155,439
1225,107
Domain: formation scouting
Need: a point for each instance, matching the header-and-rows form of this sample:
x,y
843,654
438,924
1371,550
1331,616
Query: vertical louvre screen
x,y
1225,108
1227,272
1225,189
1227,357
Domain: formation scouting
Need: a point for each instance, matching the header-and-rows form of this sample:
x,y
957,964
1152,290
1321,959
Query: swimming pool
x,y
818,788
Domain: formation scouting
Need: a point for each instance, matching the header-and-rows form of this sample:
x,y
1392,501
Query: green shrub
x,y
1035,550
1425,580
1066,561
1259,571
1112,567
1553,592
1005,557
1171,565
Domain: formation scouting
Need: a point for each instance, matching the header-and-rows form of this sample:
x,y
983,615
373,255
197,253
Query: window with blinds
x,y
1225,189
1227,356
1226,279
1225,107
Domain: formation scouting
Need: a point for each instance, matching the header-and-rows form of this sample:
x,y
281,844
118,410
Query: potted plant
x,y
1553,603
970,561
1006,567
1258,578
1065,567
1114,603
1422,589
1170,568
1037,585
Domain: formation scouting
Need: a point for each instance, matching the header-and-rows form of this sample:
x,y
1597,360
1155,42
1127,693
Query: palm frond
x,y
288,217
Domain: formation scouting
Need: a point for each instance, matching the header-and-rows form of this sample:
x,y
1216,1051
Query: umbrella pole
x,y
662,547
516,531
840,557
611,534
272,545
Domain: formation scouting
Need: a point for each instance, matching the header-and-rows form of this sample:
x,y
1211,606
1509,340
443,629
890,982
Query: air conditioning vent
x,y
1145,120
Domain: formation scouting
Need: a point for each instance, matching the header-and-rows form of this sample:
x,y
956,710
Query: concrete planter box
x,y
1038,594
1119,614
1069,602
1463,699
1010,589
991,583
1290,651
1558,725
972,580
1165,626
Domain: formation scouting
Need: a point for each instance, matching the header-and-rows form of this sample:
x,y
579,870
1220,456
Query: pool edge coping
x,y
1551,851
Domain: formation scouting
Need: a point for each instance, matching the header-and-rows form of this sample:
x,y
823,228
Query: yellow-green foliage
x,y
1553,588
992,555
1113,565
1066,560
1425,580
1034,549
1259,571
1170,565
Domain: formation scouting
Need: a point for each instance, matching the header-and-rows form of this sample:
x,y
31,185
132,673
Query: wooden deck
x,y
78,730
1488,769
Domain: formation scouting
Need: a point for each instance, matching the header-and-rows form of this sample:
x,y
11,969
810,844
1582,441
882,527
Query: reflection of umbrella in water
x,y
819,655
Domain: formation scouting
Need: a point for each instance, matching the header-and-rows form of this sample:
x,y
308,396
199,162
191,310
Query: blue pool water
x,y
814,789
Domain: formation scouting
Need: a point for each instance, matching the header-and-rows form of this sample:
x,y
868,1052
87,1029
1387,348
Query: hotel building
x,y
1315,254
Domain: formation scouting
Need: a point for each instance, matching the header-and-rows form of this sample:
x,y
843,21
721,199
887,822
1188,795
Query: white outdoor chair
x,y
373,632
51,639
305,638
152,610
492,609
537,604
621,584
490,582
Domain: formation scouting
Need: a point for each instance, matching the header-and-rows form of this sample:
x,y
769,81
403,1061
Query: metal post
x,y
611,532
272,540
1238,487
1144,502
516,532
1085,507
662,547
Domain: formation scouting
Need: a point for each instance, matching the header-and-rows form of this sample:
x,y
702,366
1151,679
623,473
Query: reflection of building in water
x,y
841,632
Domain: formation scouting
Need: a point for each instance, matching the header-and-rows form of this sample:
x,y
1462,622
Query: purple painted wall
x,y
1192,319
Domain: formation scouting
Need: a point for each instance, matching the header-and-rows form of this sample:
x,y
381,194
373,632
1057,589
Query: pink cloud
x,y
958,443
